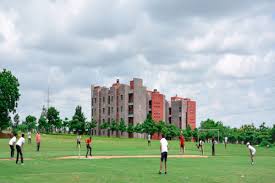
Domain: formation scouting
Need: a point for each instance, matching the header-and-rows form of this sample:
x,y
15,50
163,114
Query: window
x,y
103,110
112,110
109,99
121,109
179,109
95,100
92,112
108,110
99,100
121,97
103,99
112,99
117,109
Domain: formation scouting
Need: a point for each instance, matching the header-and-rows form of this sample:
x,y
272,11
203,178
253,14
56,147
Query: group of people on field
x,y
88,142
18,144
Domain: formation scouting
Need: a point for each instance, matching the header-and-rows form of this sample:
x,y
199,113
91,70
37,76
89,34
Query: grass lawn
x,y
231,165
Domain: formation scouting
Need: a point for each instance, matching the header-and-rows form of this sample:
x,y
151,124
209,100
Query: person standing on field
x,y
182,143
149,139
88,145
252,152
12,144
38,140
78,141
200,146
225,142
29,137
19,147
213,146
164,153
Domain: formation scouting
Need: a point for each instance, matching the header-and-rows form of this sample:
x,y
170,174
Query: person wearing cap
x,y
252,152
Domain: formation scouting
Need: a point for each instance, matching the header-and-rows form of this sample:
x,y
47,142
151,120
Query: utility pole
x,y
48,98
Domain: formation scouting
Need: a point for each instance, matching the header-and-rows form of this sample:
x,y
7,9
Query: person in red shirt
x,y
181,143
38,140
88,145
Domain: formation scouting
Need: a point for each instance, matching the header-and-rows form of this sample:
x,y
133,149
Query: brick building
x,y
133,102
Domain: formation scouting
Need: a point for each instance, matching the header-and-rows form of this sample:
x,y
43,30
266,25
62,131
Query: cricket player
x,y
38,140
88,145
149,139
12,144
252,152
19,147
181,143
164,153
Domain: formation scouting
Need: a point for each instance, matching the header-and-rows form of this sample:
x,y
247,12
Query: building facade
x,y
133,102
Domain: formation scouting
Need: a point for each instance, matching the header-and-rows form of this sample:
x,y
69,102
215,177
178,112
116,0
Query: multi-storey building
x,y
133,102
182,112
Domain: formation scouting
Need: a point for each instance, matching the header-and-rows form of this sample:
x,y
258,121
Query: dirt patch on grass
x,y
134,156
8,159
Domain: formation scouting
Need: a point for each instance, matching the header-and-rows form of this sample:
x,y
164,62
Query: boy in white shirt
x,y
149,139
19,147
164,153
252,152
11,144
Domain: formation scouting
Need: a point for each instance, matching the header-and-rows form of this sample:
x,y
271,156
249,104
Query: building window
x,y
103,110
112,110
109,98
95,100
121,97
179,109
99,100
112,99
92,112
103,99
121,109
117,109
108,110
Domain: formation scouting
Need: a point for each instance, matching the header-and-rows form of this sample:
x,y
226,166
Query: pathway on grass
x,y
135,156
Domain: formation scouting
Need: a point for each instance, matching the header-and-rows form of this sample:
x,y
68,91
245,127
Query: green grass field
x,y
231,165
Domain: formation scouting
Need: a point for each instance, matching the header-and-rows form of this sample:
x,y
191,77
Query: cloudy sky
x,y
219,53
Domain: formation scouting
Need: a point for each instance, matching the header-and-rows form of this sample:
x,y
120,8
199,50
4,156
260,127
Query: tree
x,y
91,125
171,131
16,120
105,125
159,127
9,96
78,120
65,124
122,126
130,128
188,132
54,120
43,125
30,122
113,126
138,128
273,134
149,126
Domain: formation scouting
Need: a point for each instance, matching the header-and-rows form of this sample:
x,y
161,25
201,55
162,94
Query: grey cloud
x,y
175,47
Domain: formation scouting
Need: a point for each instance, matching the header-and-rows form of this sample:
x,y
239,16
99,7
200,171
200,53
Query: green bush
x,y
265,143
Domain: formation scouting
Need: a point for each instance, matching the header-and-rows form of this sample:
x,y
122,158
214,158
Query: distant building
x,y
133,102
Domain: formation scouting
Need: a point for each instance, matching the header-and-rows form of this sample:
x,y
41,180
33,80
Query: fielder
x,y
252,152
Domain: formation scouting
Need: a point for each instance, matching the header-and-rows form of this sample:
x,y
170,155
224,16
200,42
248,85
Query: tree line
x,y
51,122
